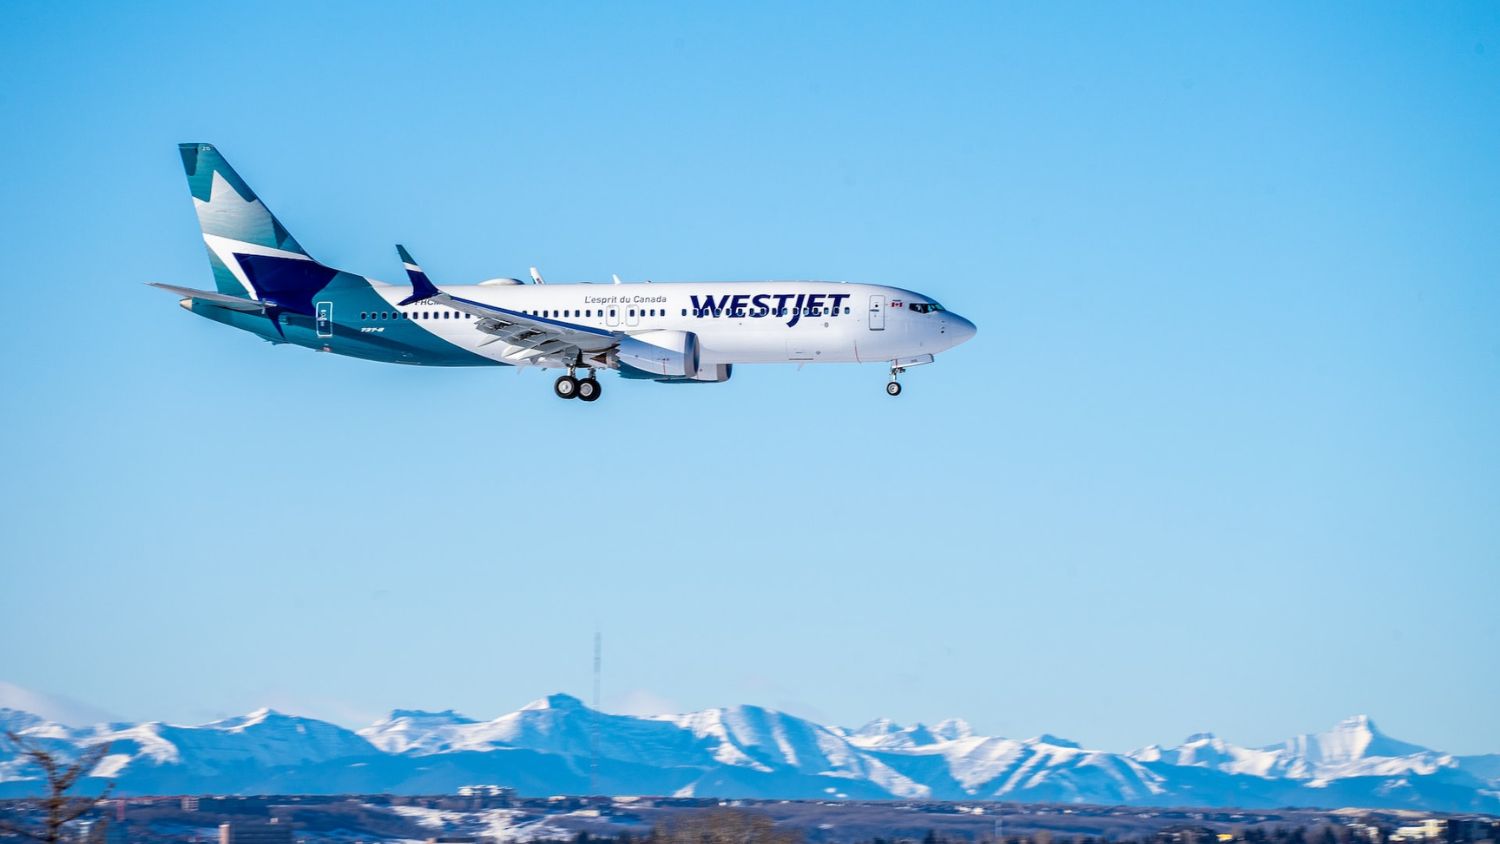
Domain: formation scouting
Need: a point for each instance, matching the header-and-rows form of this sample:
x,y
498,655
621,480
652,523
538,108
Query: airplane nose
x,y
962,329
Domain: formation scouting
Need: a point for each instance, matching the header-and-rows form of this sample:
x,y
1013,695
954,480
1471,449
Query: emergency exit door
x,y
877,313
325,319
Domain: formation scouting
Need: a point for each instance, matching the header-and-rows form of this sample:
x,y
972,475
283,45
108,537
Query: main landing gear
x,y
571,387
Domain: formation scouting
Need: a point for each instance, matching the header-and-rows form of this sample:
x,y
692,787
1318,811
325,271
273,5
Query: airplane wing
x,y
540,339
233,303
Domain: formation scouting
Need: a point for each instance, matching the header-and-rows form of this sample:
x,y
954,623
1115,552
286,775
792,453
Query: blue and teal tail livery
x,y
226,206
252,254
421,287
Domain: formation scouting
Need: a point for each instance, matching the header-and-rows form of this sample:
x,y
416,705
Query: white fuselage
x,y
738,322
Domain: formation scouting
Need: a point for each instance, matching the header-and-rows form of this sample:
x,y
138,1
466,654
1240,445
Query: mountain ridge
x,y
558,745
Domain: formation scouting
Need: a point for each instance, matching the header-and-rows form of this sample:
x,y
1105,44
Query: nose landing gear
x,y
893,387
900,365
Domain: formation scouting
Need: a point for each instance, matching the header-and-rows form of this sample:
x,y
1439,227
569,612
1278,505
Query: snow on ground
x,y
501,825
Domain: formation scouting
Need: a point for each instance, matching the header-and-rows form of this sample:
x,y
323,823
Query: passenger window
x,y
361,314
632,311
684,311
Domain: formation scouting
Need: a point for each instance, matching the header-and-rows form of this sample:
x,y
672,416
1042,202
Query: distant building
x,y
255,833
1431,829
189,804
485,791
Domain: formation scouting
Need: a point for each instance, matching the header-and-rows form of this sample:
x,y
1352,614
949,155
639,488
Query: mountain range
x,y
557,745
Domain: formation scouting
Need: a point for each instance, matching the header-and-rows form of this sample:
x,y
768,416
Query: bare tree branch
x,y
59,807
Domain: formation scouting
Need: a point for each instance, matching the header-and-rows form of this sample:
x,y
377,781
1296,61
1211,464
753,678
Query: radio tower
x,y
594,718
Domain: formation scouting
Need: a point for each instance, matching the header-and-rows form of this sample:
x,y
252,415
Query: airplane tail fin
x,y
252,254
236,224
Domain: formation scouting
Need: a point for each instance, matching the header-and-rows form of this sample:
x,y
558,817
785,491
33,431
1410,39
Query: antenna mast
x,y
594,720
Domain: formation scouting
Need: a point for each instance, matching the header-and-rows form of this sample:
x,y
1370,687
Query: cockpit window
x,y
926,307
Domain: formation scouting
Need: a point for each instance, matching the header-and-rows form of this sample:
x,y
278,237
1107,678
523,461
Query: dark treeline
x,y
734,826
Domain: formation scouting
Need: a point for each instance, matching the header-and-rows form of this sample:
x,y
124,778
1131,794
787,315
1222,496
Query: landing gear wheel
x,y
893,388
588,389
566,387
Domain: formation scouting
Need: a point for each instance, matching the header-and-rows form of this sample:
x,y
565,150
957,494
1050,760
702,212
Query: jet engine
x,y
659,354
713,373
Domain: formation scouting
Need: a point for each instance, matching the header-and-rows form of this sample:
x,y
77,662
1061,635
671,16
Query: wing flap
x,y
536,337
521,329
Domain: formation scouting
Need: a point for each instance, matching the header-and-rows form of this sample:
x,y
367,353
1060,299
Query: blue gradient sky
x,y
1225,454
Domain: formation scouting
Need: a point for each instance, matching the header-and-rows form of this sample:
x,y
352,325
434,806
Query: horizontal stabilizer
x,y
233,303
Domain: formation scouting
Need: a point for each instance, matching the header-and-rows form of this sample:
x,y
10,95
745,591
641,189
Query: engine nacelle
x,y
663,353
711,374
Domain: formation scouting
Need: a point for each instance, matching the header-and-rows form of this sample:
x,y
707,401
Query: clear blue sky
x,y
1225,454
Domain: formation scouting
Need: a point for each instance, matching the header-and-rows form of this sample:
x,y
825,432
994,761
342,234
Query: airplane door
x,y
877,313
613,317
325,319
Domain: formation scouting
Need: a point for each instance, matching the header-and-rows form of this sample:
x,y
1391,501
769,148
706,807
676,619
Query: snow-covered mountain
x,y
1354,747
558,745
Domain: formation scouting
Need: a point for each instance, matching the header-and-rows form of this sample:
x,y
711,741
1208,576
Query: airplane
x,y
670,332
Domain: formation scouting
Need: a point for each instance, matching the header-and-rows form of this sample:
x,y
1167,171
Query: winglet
x,y
421,288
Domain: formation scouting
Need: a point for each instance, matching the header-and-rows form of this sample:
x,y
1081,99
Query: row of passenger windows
x,y
587,313
379,315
